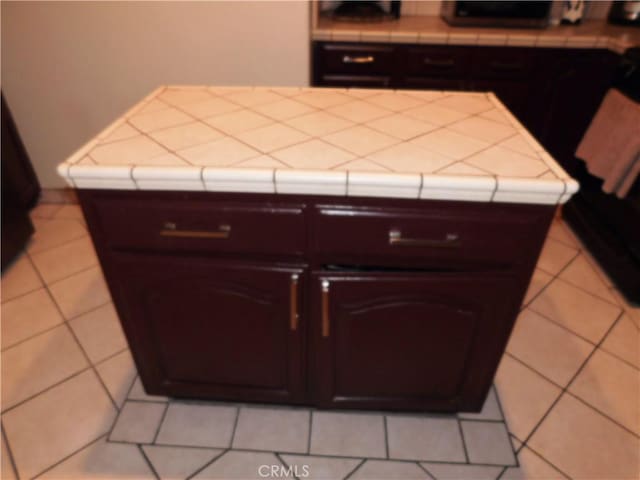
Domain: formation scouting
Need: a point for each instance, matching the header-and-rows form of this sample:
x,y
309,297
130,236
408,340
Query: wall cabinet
x,y
351,302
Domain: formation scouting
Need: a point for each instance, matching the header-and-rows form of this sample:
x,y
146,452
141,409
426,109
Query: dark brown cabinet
x,y
329,301
214,328
408,340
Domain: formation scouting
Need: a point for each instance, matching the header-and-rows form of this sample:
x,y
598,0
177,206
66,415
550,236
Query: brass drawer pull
x,y
451,240
325,308
363,59
439,63
293,321
170,230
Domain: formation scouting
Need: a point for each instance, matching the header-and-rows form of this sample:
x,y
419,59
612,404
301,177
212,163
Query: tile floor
x,y
72,406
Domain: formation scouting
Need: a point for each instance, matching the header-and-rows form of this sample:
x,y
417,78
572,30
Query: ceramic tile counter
x,y
353,142
434,30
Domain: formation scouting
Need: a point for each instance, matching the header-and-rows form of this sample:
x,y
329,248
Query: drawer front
x,y
357,59
502,63
440,239
438,61
201,226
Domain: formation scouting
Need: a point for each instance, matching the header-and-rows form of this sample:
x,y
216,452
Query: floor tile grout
x,y
358,466
464,442
79,344
565,390
64,320
12,461
148,462
424,469
67,457
159,427
29,251
209,463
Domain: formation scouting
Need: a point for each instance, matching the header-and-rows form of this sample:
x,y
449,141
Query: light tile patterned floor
x,y
72,406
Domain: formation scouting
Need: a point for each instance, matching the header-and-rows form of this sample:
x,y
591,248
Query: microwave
x,y
518,14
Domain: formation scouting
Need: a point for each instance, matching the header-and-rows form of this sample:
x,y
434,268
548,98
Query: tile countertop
x,y
355,142
434,30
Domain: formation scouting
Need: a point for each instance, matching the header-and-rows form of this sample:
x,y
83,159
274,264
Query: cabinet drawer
x,y
357,59
502,63
438,61
201,226
432,238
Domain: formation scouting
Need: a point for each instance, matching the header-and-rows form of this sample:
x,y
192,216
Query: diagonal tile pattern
x,y
472,132
567,387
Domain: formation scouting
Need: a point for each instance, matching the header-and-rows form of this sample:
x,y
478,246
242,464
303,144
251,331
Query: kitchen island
x,y
344,248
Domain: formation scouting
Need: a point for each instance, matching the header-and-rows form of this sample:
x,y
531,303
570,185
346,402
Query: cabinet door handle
x,y
293,293
362,59
506,66
439,63
325,308
451,240
170,230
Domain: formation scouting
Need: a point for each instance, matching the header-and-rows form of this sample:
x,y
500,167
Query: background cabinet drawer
x,y
201,226
502,63
435,238
438,61
357,59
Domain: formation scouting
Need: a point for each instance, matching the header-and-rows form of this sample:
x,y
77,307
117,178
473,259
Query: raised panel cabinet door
x,y
409,341
207,328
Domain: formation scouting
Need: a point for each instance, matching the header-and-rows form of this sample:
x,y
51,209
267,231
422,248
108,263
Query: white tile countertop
x,y
323,141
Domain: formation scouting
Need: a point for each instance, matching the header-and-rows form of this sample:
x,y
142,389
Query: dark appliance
x,y
20,190
518,14
610,226
366,11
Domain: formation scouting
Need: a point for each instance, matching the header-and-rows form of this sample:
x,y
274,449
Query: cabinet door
x,y
409,341
207,328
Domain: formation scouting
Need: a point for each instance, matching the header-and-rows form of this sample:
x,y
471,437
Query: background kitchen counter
x,y
433,30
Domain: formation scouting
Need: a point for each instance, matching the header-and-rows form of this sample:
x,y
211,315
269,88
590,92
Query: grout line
x,y
78,343
504,418
62,460
164,415
426,470
209,463
115,420
235,426
565,390
282,461
97,265
58,383
17,297
358,466
30,252
386,436
12,462
310,432
146,459
464,442
553,277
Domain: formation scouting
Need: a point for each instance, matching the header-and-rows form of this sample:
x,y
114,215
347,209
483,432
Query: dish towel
x,y
611,145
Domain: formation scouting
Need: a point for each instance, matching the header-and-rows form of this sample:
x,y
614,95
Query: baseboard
x,y
58,195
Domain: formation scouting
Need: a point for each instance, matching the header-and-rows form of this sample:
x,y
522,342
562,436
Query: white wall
x,y
69,69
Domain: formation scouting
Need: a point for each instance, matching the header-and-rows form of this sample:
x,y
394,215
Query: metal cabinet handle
x,y
293,293
439,63
363,59
506,66
325,308
170,229
451,240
